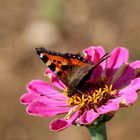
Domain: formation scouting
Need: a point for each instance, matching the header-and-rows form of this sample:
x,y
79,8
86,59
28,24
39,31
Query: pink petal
x,y
54,79
52,102
136,66
88,117
60,124
133,86
117,57
128,75
127,98
125,78
45,88
111,105
128,95
40,108
94,53
28,98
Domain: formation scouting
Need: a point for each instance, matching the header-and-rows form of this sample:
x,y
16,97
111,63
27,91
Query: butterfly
x,y
72,69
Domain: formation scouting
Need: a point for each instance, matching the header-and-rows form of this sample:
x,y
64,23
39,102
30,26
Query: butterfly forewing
x,y
63,65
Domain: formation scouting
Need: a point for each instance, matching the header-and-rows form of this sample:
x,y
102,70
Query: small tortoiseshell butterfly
x,y
72,69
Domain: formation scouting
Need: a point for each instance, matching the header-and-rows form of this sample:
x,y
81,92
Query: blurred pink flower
x,y
114,84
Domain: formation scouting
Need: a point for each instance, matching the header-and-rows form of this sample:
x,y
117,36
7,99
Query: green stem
x,y
98,132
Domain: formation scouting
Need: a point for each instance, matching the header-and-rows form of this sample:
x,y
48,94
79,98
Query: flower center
x,y
92,99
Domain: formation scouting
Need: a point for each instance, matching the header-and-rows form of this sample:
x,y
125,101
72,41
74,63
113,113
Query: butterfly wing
x,y
63,65
81,75
72,69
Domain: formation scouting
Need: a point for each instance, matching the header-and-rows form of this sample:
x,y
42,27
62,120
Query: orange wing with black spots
x,y
62,64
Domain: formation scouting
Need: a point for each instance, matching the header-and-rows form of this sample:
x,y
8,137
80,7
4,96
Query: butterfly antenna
x,y
103,58
104,73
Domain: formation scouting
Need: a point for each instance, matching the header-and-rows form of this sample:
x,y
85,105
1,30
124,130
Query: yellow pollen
x,y
123,102
65,91
92,98
109,89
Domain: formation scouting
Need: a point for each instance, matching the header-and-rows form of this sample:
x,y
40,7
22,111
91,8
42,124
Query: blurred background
x,y
65,26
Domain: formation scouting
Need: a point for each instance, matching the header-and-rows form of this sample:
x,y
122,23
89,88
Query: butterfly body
x,y
76,77
72,69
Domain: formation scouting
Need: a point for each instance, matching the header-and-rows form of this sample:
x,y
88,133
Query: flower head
x,y
112,84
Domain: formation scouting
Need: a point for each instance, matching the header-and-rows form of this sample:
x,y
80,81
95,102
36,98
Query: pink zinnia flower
x,y
114,85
